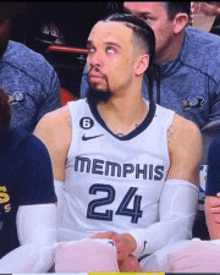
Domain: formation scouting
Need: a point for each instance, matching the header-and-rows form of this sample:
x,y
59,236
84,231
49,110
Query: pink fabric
x,y
198,256
86,256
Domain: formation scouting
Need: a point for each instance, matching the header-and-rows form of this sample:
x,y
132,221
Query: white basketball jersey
x,y
113,183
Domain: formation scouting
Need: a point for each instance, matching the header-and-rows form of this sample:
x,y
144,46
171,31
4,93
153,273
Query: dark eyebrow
x,y
140,14
89,43
113,44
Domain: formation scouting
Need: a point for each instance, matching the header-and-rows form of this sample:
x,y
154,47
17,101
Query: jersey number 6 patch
x,y
135,213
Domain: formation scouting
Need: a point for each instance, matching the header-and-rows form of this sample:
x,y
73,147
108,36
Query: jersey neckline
x,y
146,122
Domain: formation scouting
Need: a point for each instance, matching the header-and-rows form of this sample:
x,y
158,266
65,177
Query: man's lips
x,y
95,78
95,75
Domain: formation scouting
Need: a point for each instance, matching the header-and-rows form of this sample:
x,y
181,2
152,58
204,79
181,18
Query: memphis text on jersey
x,y
114,169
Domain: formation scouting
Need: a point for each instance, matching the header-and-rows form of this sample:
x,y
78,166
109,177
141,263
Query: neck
x,y
123,114
171,51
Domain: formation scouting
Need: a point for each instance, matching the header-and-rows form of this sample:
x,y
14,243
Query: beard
x,y
95,96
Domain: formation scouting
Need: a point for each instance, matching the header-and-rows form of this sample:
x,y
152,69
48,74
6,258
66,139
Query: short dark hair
x,y
145,34
140,29
5,112
175,7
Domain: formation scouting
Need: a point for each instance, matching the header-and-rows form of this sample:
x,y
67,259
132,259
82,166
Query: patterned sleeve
x,y
84,83
52,92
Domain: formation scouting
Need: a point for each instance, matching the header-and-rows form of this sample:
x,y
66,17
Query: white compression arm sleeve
x,y
177,210
59,190
37,232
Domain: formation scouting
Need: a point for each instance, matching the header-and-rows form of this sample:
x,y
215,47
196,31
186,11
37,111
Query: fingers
x,y
129,265
121,255
205,9
103,235
212,207
209,9
215,203
215,210
122,244
217,219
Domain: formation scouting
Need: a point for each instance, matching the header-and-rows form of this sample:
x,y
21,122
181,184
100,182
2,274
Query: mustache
x,y
97,70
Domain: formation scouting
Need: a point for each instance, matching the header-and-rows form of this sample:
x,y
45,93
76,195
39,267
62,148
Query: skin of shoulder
x,y
185,149
55,130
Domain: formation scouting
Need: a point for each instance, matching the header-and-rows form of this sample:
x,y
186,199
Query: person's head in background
x,y
8,10
168,20
121,49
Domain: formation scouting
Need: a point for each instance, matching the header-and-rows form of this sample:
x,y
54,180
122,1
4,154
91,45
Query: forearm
x,y
37,232
59,190
32,257
177,210
161,233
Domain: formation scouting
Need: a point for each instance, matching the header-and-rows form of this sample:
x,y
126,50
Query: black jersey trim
x,y
148,119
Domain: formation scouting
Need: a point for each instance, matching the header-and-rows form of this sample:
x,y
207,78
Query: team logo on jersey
x,y
85,138
4,198
86,123
145,242
193,102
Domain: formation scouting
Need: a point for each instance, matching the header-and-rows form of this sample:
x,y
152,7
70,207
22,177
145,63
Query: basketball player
x,y
125,168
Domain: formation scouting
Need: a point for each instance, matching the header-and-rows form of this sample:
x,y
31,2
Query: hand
x,y
131,264
209,9
205,8
214,207
125,243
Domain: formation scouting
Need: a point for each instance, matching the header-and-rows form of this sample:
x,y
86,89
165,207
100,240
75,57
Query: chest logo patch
x,y
193,102
86,123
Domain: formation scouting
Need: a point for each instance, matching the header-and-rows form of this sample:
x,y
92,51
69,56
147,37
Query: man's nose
x,y
96,58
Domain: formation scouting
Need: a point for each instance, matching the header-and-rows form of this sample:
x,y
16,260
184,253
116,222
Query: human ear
x,y
180,22
142,64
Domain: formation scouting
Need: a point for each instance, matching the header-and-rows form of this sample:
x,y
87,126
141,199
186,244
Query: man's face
x,y
110,56
5,29
154,14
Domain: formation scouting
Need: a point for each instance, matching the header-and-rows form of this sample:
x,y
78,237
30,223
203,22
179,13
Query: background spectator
x,y
27,199
29,80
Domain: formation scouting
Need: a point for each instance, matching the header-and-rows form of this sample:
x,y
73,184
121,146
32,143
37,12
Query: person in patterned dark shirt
x,y
28,79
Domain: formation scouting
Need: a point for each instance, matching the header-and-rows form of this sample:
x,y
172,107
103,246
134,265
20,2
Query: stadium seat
x,y
66,96
69,63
